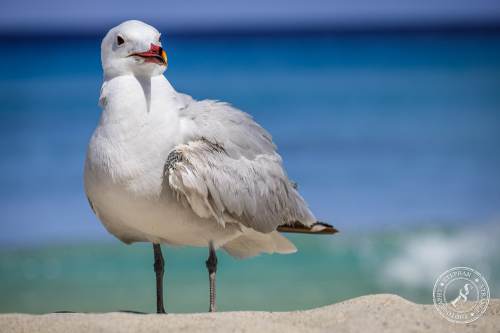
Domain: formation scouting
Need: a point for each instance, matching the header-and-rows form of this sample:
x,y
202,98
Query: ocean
x,y
393,138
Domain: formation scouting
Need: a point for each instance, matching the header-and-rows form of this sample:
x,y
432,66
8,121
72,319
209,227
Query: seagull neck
x,y
134,97
143,79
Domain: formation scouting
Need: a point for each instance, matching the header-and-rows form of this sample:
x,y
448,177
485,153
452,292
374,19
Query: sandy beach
x,y
374,313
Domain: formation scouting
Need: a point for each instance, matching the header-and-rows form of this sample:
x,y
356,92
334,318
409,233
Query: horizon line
x,y
269,31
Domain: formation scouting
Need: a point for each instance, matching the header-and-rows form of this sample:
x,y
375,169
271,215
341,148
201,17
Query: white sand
x,y
375,313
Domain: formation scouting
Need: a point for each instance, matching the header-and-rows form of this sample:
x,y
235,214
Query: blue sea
x,y
393,138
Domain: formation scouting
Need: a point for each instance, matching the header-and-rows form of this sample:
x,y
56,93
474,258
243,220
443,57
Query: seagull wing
x,y
228,169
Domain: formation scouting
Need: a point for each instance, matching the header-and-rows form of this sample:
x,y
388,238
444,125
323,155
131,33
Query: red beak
x,y
155,55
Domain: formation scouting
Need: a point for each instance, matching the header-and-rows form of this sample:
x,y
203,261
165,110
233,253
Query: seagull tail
x,y
252,243
315,228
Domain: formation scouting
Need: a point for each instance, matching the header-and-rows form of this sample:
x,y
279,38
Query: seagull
x,y
164,168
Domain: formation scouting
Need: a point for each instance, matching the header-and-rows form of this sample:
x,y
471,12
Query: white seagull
x,y
164,168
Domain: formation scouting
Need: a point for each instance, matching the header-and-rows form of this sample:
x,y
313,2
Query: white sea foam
x,y
426,255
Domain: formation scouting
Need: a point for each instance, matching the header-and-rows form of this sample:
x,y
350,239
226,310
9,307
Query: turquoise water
x,y
111,276
392,138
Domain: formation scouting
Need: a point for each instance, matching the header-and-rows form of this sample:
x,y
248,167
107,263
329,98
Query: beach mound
x,y
375,313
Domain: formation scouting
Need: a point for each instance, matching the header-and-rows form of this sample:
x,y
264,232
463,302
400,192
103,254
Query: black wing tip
x,y
318,228
330,228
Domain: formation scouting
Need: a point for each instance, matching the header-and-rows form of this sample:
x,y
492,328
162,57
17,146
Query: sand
x,y
374,313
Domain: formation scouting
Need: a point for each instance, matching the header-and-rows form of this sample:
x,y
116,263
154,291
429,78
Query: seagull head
x,y
133,47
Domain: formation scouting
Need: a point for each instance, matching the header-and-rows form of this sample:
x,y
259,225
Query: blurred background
x,y
386,113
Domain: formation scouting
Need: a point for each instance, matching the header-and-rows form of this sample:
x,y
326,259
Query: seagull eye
x,y
120,40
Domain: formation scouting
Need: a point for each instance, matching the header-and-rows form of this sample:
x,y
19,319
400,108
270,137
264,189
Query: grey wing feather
x,y
221,123
229,170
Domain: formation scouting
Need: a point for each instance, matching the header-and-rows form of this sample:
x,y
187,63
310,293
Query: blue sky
x,y
93,15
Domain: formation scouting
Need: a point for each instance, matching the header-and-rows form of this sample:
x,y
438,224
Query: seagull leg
x,y
212,269
159,265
